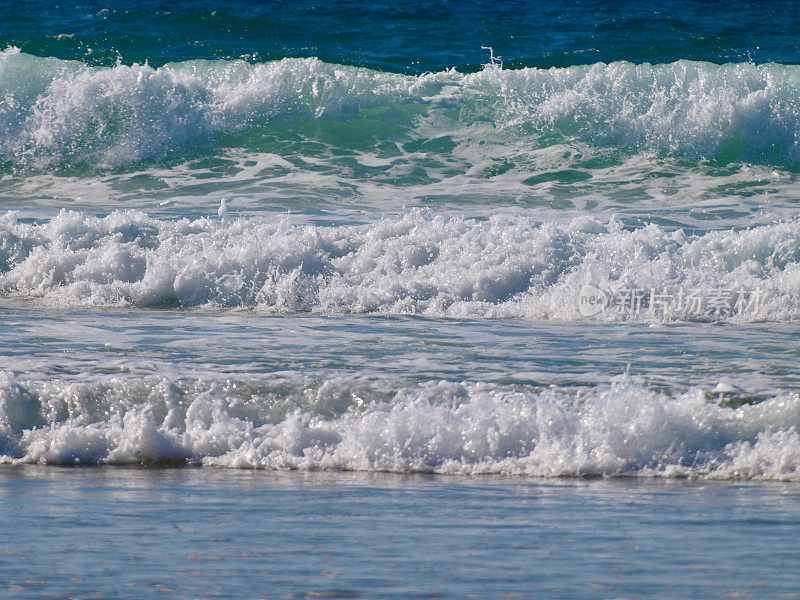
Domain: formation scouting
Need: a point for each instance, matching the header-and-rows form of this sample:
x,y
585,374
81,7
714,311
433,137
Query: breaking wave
x,y
422,263
57,113
621,429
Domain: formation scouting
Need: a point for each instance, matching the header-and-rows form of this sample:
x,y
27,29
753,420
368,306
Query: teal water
x,y
514,284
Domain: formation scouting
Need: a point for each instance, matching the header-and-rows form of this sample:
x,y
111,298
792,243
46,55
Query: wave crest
x,y
453,428
416,263
66,113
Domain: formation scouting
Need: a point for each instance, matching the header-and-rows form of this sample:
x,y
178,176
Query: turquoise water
x,y
423,256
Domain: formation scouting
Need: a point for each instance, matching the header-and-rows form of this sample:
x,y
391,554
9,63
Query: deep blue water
x,y
405,36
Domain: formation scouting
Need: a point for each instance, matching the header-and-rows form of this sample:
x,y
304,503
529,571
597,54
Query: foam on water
x,y
58,112
297,126
466,428
67,113
415,263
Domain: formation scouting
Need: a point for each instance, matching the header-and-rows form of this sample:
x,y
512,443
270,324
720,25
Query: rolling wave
x,y
621,429
416,263
58,113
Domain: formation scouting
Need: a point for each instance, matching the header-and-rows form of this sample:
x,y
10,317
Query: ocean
x,y
399,300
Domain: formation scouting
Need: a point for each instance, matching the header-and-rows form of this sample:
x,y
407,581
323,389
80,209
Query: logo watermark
x,y
670,302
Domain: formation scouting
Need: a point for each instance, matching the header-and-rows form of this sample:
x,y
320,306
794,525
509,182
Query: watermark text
x,y
714,302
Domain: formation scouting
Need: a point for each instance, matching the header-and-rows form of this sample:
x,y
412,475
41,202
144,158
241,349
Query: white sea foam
x,y
62,112
415,263
57,111
458,428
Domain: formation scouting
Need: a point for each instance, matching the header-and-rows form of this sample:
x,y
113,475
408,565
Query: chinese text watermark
x,y
714,302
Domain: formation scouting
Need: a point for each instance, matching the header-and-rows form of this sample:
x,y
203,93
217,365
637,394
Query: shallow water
x,y
209,533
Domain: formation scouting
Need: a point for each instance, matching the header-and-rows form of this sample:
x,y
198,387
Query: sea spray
x,y
66,114
621,428
416,263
